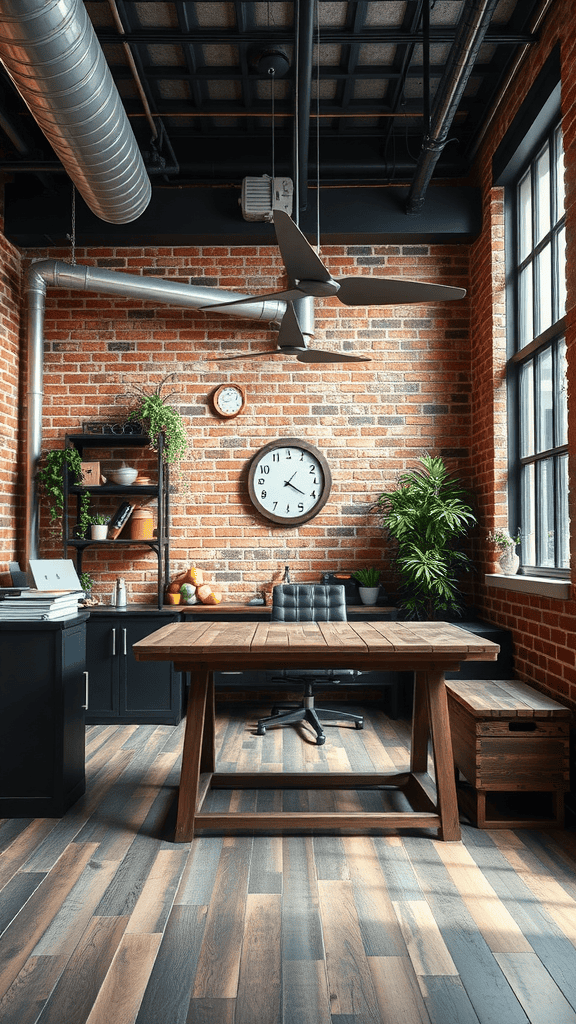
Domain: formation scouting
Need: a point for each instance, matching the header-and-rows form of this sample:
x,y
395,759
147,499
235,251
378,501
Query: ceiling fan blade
x,y
290,333
316,355
391,291
287,296
244,355
298,256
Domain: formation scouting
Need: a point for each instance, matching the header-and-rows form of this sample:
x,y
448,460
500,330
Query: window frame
x,y
528,358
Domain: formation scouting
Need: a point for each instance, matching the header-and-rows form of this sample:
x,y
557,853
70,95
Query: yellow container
x,y
141,525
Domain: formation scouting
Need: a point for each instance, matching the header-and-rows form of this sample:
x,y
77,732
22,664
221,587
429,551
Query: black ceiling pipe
x,y
469,37
304,42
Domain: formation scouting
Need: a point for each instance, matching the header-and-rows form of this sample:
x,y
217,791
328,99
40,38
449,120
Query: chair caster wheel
x,y
320,740
360,725
261,730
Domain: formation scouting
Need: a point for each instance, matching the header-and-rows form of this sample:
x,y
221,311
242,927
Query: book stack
x,y
119,519
40,605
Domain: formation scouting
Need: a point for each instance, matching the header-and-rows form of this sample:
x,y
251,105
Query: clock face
x,y
229,399
289,481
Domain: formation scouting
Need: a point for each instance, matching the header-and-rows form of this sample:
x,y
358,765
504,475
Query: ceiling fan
x,y
308,276
292,342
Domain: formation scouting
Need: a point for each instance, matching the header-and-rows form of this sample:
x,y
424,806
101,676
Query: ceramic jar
x,y
141,525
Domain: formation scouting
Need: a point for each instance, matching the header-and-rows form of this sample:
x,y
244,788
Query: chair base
x,y
309,715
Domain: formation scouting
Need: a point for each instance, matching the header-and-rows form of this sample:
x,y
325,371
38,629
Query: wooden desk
x,y
428,648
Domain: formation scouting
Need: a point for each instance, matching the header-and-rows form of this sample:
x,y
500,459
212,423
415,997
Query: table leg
x,y
420,725
192,754
443,758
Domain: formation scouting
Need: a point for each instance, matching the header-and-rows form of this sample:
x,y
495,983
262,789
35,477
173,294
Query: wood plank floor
x,y
104,920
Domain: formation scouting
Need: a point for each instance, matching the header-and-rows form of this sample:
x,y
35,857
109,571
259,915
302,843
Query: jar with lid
x,y
141,524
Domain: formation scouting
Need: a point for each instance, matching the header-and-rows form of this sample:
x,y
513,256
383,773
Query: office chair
x,y
308,602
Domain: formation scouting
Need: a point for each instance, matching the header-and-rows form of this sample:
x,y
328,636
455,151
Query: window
x,y
538,439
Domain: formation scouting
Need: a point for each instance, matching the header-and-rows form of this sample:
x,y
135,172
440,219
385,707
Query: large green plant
x,y
427,516
54,464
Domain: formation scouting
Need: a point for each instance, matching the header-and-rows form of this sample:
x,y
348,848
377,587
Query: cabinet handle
x,y
113,642
85,705
124,648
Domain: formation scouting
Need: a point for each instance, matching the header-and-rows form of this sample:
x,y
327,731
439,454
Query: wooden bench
x,y
510,743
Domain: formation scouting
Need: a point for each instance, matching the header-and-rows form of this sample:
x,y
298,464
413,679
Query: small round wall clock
x,y
289,481
229,400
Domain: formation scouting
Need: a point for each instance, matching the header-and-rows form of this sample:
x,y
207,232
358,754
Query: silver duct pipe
x,y
57,274
470,34
50,50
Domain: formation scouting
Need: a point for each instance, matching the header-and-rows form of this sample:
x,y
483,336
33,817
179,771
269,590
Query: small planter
x,y
99,532
509,562
369,595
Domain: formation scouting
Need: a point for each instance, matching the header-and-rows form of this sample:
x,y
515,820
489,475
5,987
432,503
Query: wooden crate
x,y
511,744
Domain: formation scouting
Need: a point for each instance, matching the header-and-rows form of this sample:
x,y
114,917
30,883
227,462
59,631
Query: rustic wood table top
x,y
428,648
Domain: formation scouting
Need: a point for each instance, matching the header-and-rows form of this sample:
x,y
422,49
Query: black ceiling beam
x,y
332,36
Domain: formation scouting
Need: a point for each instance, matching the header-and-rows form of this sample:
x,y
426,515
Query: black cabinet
x,y
122,689
42,699
136,494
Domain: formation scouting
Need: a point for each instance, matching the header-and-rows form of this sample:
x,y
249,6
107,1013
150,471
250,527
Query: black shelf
x,y
159,544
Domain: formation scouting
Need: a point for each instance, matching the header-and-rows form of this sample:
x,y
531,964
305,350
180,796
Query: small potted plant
x,y
99,527
369,584
509,561
155,411
86,582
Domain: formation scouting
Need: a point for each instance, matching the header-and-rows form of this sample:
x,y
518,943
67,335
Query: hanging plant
x,y
54,464
159,417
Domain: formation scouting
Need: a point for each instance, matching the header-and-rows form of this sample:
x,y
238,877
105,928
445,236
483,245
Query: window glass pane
x,y
563,516
525,306
559,191
544,272
560,272
542,186
524,217
545,512
527,439
545,438
561,416
528,547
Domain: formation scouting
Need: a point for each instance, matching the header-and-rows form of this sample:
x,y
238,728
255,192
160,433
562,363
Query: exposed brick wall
x,y
436,383
370,420
544,630
10,485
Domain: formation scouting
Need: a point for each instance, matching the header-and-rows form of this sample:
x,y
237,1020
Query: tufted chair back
x,y
308,602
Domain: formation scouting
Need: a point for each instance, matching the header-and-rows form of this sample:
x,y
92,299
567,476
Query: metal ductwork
x,y
50,50
470,34
58,274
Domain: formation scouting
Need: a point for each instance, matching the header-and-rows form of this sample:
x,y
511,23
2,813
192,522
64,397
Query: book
x,y
119,519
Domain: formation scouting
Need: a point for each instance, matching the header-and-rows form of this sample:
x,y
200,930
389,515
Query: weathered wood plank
x,y
261,958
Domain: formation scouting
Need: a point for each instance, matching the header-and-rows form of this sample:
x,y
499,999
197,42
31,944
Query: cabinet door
x,y
150,691
102,661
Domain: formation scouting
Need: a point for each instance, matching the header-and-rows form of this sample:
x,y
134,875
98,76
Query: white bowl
x,y
124,476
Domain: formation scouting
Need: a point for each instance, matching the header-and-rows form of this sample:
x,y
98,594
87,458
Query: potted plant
x,y
369,580
86,582
158,416
426,516
99,527
509,560
53,465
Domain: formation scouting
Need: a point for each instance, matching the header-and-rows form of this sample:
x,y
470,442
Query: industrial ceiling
x,y
382,98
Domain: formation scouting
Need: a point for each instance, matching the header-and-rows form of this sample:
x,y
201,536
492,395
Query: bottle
x,y
286,576
120,593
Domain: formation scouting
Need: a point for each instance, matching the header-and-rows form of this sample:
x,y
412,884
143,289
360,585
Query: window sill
x,y
544,586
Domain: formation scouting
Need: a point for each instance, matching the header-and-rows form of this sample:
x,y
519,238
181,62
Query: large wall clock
x,y
289,481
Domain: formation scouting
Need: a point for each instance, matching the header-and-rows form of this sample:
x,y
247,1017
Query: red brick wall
x,y
543,629
10,485
370,420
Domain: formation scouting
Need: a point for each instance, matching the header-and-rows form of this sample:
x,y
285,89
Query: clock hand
x,y
288,484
